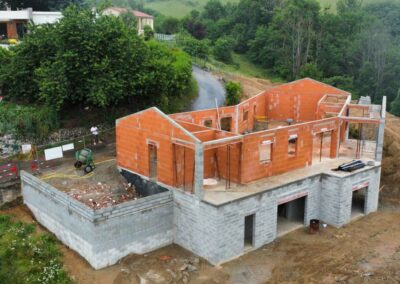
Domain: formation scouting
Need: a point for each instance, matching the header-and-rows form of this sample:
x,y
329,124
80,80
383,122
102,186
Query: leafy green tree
x,y
41,5
170,25
310,70
290,38
233,93
129,19
194,47
148,33
223,50
395,105
86,59
341,82
214,10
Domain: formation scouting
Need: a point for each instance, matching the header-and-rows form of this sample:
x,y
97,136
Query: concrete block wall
x,y
104,236
217,232
336,195
195,225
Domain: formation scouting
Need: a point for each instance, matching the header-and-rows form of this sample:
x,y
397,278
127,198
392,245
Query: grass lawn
x,y
27,256
178,8
241,65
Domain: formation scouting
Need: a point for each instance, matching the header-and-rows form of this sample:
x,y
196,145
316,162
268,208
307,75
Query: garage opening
x,y
358,202
291,215
248,231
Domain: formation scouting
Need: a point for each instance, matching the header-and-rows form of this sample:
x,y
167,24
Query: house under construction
x,y
221,182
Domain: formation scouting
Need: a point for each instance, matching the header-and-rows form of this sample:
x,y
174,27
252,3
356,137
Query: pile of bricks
x,y
100,195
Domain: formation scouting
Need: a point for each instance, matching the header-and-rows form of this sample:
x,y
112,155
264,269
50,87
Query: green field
x,y
178,8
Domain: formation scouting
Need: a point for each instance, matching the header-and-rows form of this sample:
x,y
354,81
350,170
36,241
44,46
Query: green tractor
x,y
84,158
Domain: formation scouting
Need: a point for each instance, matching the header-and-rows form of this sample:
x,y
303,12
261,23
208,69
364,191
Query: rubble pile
x,y
101,195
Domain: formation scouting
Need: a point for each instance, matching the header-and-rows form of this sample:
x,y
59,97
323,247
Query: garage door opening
x,y
249,231
358,202
291,216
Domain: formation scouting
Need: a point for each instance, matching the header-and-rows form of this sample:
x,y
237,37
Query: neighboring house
x,y
13,23
143,19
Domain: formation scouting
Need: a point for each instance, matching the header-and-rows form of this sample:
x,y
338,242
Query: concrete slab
x,y
218,195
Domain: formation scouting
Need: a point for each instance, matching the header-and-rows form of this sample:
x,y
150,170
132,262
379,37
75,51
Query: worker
x,y
95,132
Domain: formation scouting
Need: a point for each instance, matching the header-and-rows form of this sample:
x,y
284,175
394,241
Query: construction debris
x,y
101,195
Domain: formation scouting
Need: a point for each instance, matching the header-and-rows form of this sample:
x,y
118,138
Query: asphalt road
x,y
209,90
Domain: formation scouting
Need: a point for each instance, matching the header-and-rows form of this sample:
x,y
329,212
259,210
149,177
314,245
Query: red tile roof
x,y
136,13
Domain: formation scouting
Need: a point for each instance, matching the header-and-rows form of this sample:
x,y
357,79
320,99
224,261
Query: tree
x,y
310,70
395,105
148,33
214,10
289,41
86,59
233,93
170,25
194,47
40,5
129,19
223,50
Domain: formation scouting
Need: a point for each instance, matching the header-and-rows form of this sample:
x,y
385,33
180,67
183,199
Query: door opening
x,y
153,161
249,231
291,215
358,202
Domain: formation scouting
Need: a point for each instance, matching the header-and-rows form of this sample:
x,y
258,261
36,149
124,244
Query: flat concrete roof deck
x,y
218,195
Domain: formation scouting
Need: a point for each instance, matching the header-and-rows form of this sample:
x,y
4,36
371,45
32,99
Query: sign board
x,y
68,147
53,153
26,148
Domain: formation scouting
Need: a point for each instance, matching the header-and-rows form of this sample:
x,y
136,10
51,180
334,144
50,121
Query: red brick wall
x,y
133,135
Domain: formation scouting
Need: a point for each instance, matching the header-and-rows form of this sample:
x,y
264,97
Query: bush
x,y
26,257
27,122
148,33
233,93
395,105
86,59
223,50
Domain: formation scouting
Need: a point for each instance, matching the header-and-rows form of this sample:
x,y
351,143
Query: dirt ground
x,y
103,187
365,251
391,161
250,86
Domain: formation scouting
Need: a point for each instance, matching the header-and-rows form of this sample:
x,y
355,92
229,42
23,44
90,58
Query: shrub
x,y
233,93
26,257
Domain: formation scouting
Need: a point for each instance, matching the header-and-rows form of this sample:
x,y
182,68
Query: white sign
x,y
68,147
53,153
26,148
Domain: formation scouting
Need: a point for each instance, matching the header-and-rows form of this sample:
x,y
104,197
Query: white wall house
x,y
143,19
13,23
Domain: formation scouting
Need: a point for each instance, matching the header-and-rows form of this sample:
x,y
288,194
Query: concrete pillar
x,y
379,141
381,132
198,169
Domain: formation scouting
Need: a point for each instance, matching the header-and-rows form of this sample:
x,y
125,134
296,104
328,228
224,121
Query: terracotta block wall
x,y
252,169
135,132
298,100
198,117
256,106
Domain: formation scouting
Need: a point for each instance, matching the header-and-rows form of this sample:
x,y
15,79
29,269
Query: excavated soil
x,y
365,251
250,86
390,177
